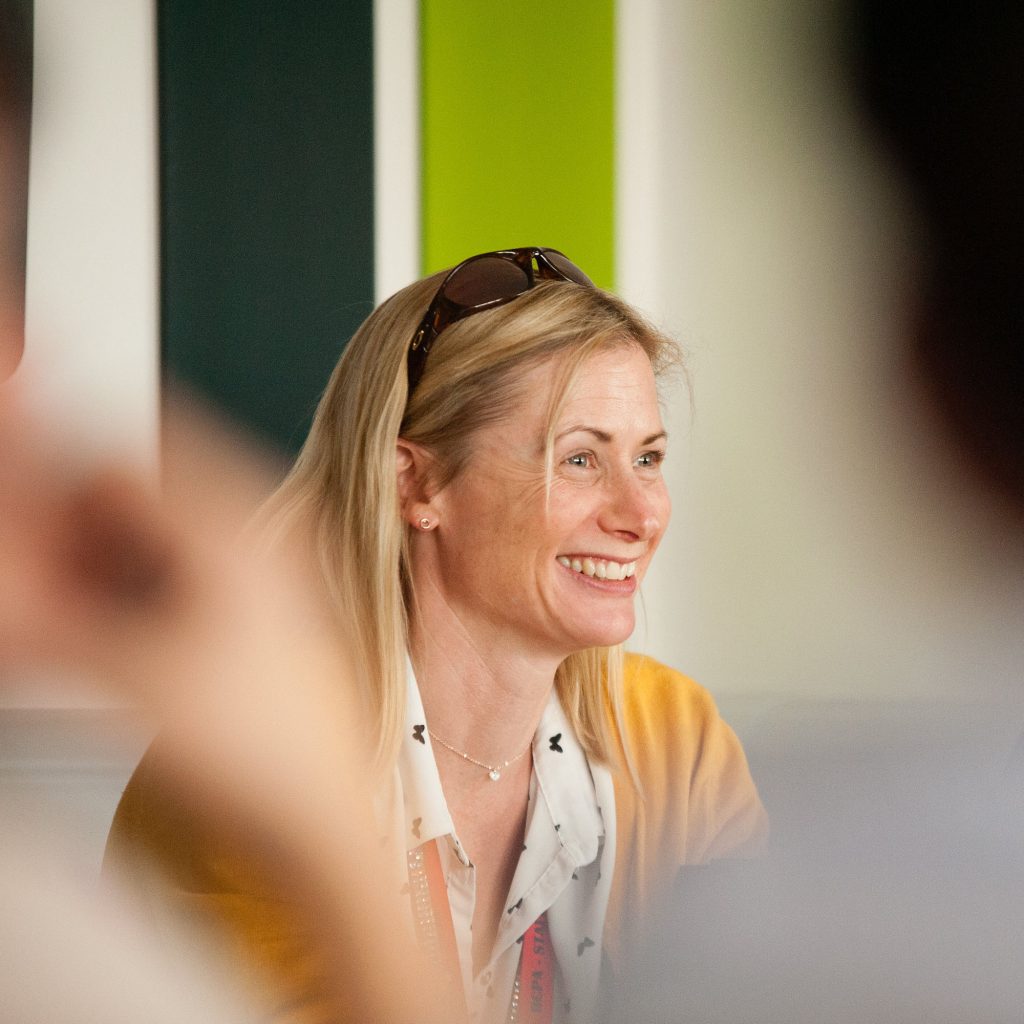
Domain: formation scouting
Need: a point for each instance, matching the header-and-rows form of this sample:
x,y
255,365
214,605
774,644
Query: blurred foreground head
x,y
944,87
15,104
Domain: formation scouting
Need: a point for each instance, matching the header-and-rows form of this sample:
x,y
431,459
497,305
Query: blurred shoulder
x,y
153,827
144,818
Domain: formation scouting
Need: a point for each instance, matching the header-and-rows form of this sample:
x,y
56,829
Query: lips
x,y
598,568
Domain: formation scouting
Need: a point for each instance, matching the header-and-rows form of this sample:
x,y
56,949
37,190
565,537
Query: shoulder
x,y
647,680
153,827
143,822
693,776
683,791
179,866
659,703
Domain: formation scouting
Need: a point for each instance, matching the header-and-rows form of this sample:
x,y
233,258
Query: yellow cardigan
x,y
698,804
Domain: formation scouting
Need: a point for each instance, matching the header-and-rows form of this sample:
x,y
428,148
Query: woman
x,y
483,482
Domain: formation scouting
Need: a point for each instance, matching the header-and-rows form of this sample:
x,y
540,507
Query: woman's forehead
x,y
611,390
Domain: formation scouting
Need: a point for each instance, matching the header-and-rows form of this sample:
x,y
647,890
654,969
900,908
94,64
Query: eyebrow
x,y
605,438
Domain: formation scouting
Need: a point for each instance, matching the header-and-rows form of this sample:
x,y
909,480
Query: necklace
x,y
493,771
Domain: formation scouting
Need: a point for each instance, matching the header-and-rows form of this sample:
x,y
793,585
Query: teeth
x,y
603,570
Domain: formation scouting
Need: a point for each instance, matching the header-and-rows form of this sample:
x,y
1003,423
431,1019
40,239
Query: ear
x,y
414,465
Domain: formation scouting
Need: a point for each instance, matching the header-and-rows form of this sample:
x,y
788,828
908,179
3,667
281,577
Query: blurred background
x,y
220,192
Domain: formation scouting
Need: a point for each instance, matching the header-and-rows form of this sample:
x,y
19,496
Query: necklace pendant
x,y
495,774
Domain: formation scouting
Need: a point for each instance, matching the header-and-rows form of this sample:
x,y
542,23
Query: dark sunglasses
x,y
484,282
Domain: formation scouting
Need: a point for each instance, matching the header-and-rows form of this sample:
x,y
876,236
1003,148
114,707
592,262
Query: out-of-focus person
x,y
943,91
152,595
483,483
160,601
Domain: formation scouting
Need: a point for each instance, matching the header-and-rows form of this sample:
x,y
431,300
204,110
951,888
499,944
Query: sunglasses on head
x,y
484,282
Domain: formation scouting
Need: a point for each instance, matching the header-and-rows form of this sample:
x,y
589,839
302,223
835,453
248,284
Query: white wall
x,y
91,349
824,543
396,145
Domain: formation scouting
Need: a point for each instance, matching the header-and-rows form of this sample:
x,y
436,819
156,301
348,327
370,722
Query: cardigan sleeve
x,y
694,800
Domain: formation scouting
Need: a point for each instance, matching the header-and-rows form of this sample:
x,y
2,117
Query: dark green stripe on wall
x,y
16,61
519,129
266,146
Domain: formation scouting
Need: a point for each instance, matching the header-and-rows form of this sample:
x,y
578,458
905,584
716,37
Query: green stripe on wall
x,y
266,139
518,129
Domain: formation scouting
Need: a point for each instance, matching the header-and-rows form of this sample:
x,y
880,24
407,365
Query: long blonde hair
x,y
343,487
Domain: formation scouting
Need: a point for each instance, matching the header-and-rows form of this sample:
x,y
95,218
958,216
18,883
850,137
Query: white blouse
x,y
565,868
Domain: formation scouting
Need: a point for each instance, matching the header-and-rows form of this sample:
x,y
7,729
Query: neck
x,y
482,695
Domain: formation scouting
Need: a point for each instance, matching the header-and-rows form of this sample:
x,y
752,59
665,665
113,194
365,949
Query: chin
x,y
608,637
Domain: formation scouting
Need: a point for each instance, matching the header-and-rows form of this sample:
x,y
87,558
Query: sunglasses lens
x,y
484,280
567,269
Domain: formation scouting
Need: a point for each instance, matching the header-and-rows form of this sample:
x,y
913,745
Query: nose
x,y
635,509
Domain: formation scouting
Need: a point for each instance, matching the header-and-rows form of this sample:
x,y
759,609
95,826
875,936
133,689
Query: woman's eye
x,y
580,459
649,460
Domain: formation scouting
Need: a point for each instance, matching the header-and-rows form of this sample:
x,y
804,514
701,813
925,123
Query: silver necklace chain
x,y
493,770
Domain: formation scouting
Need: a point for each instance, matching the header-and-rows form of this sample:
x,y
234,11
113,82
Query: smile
x,y
600,568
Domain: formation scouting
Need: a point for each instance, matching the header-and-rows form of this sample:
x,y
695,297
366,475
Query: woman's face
x,y
557,571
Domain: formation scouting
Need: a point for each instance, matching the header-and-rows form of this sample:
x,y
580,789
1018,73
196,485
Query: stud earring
x,y
425,523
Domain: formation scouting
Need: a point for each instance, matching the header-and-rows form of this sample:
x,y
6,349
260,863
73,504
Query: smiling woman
x,y
483,480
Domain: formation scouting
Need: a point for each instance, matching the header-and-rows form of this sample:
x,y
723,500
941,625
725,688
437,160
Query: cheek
x,y
666,508
526,514
573,504
663,507
499,527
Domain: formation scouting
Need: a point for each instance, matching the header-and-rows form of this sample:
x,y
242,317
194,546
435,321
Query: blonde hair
x,y
344,487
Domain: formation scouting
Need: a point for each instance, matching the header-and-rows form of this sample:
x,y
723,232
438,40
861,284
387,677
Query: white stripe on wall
x,y
92,316
396,145
637,164
651,197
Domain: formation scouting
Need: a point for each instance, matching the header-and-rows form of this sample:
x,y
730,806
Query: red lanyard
x,y
533,993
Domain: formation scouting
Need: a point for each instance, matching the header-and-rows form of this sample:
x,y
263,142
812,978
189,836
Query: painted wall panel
x,y
267,199
518,129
